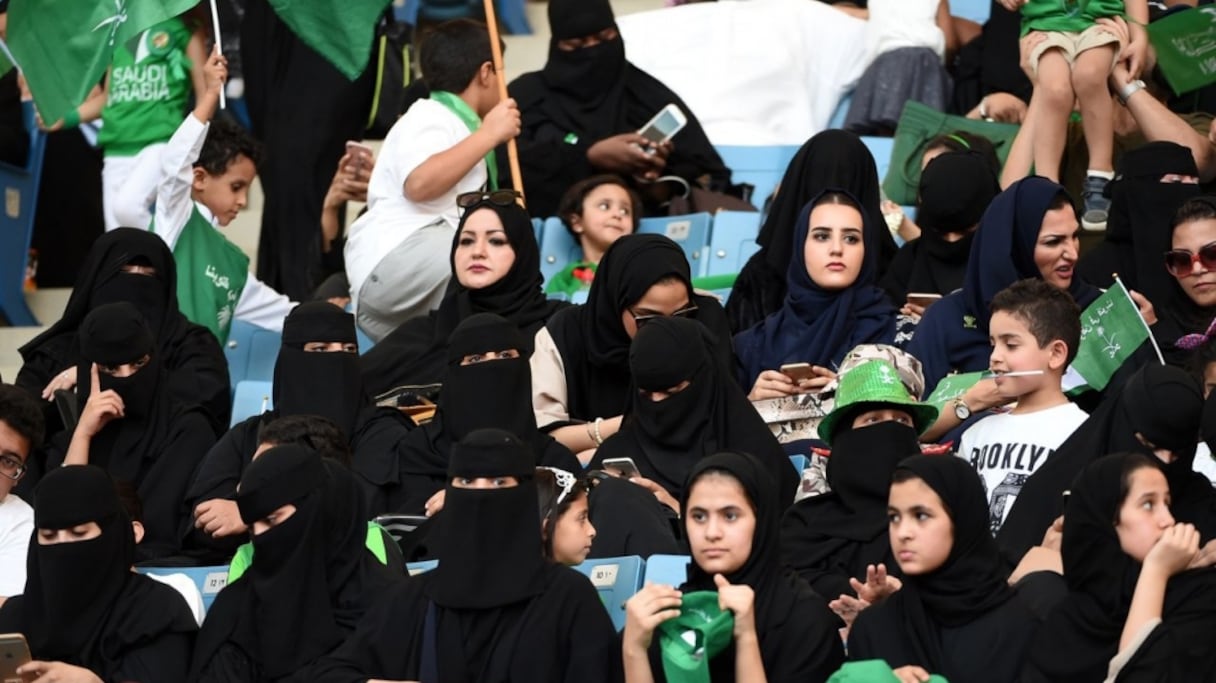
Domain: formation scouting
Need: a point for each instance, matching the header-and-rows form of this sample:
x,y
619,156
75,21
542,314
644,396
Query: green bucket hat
x,y
689,641
871,671
874,383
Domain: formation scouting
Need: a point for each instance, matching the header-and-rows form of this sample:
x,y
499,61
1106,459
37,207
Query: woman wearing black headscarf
x,y
130,426
317,373
1029,230
83,606
1118,536
732,515
831,159
831,304
582,111
133,266
1188,300
580,368
686,407
488,384
494,609
495,269
311,580
955,189
955,614
1158,409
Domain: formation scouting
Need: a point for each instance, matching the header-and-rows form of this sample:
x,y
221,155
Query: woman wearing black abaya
x,y
1120,545
831,159
488,384
494,610
580,367
317,373
414,353
1188,303
955,614
582,111
778,619
133,266
684,408
83,607
128,424
311,580
1158,409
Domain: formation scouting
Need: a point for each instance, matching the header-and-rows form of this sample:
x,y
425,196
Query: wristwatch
x,y
1130,89
961,411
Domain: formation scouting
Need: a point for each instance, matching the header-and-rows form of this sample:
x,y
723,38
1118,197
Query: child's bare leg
x,y
1089,74
1053,92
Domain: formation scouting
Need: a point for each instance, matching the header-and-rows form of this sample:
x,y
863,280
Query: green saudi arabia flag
x,y
64,46
1111,331
951,387
341,31
1186,47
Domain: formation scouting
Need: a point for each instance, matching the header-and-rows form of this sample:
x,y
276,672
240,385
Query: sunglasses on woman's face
x,y
1180,262
641,320
497,198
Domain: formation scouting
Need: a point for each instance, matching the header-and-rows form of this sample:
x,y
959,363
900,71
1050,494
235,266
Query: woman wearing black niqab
x,y
414,353
134,266
494,610
485,386
830,159
959,619
311,580
589,94
155,442
82,604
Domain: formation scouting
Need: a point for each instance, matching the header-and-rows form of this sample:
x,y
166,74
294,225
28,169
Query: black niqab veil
x,y
82,603
327,383
414,353
796,631
667,438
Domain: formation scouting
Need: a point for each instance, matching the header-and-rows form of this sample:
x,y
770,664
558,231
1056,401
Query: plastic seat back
x,y
616,579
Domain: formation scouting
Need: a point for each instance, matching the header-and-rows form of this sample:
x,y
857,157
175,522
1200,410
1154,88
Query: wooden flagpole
x,y
517,180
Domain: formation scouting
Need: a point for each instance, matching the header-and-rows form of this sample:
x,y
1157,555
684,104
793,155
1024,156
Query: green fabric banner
x,y
1186,47
341,31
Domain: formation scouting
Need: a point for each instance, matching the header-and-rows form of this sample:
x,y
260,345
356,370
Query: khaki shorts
x,y
1071,44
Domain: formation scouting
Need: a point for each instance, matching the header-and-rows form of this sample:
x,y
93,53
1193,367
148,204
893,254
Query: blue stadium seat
x,y
842,110
538,227
690,231
732,241
511,13
671,570
557,248
762,166
616,579
251,352
415,568
881,149
799,462
209,580
17,224
975,10
252,397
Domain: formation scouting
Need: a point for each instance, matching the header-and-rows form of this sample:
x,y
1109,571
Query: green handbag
x,y
918,124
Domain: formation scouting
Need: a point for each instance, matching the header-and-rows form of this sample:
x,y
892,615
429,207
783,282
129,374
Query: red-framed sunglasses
x,y
1181,262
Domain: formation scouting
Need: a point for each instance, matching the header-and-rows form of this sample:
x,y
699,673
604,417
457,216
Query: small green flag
x,y
1185,43
64,46
953,386
1111,331
341,31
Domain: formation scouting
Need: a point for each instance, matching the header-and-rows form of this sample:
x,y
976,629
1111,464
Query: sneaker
x,y
1097,204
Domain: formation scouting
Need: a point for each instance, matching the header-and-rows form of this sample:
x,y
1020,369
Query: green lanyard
x,y
463,111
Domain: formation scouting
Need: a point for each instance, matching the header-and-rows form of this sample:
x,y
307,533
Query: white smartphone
x,y
360,154
923,299
665,124
624,466
13,653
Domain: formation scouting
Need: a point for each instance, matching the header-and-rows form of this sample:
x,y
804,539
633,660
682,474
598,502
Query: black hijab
x,y
817,325
588,84
591,338
1177,314
82,603
955,189
1162,403
832,537
413,354
328,383
830,159
789,616
667,438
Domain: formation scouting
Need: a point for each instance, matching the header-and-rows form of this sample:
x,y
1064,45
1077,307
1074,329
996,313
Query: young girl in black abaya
x,y
494,610
87,617
1133,612
783,631
955,614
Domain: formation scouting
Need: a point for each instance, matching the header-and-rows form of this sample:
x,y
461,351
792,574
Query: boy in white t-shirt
x,y
397,254
21,429
1035,328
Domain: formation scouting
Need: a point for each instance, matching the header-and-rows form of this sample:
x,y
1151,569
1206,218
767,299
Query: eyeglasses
x,y
641,320
11,467
1180,262
468,200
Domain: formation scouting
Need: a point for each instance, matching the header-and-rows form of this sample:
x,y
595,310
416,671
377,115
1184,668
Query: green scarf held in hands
x,y
689,641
